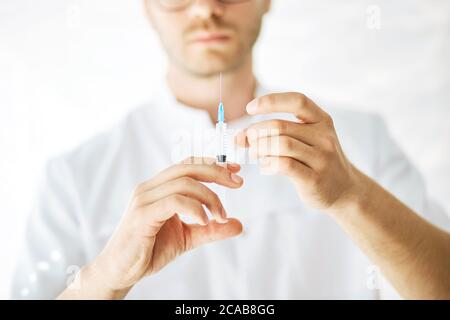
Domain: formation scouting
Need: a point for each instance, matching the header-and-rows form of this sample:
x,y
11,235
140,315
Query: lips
x,y
210,37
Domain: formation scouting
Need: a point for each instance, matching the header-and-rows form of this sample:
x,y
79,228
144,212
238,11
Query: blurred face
x,y
205,37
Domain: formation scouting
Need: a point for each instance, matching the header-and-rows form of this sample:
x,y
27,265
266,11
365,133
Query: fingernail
x,y
252,106
233,165
236,178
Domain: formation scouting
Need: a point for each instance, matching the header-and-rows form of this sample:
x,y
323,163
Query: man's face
x,y
207,36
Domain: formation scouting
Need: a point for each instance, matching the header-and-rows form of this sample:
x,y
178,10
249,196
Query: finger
x,y
232,166
291,102
282,146
240,139
187,187
201,172
165,208
199,235
306,133
285,166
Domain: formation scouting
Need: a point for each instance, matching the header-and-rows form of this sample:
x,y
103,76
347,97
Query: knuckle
x,y
139,188
321,167
266,101
269,99
279,125
137,202
286,165
329,120
324,161
285,143
186,181
324,157
301,98
175,200
216,198
197,208
328,143
207,194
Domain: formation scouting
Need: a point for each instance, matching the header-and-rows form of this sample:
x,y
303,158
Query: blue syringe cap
x,y
221,116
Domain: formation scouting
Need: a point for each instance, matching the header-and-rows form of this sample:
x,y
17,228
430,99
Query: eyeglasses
x,y
173,5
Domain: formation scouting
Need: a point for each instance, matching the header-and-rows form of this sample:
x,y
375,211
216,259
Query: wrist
x,y
93,276
90,283
357,198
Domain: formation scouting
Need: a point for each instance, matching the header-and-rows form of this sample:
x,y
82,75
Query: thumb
x,y
197,235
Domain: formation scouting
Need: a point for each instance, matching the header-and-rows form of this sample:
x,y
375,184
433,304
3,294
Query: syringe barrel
x,y
221,141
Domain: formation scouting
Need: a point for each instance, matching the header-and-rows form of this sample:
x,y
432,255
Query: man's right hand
x,y
151,234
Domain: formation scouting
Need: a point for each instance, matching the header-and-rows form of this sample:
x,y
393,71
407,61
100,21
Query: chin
x,y
211,63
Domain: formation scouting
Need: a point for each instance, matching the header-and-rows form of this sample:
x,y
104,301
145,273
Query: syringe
x,y
221,130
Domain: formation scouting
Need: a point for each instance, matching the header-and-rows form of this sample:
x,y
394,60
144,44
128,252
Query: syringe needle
x,y
220,87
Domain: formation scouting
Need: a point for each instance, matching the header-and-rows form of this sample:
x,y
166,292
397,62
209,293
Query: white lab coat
x,y
287,250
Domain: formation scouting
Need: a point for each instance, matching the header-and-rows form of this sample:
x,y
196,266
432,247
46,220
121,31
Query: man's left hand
x,y
307,150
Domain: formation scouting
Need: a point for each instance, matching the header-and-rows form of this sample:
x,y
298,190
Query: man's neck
x,y
238,88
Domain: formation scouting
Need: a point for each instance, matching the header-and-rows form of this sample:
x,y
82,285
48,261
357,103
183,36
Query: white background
x,y
70,68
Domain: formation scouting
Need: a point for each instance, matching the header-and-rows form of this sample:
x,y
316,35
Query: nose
x,y
205,9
